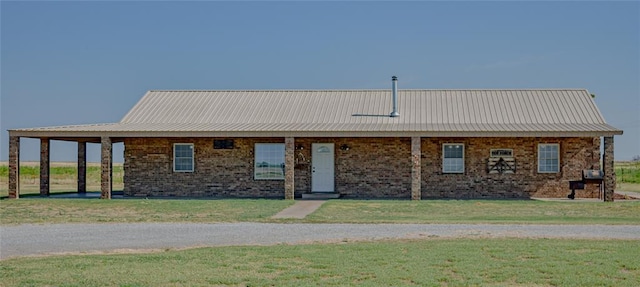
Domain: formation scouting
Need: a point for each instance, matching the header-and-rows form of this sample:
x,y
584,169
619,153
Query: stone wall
x,y
370,168
217,172
576,154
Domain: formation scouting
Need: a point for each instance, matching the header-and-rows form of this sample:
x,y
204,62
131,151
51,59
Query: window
x,y
548,158
269,161
183,157
453,158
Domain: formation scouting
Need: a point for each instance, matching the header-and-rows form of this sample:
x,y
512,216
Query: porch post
x,y
289,161
105,178
45,168
416,169
82,167
14,167
609,172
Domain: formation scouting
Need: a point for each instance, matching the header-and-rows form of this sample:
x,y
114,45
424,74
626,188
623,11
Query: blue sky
x,y
90,62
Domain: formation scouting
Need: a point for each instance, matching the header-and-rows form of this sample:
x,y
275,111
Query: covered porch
x,y
106,165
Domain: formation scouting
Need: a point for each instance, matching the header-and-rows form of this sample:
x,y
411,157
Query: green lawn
x,y
38,210
478,211
431,262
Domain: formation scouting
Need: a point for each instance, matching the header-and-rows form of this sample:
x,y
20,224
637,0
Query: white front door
x,y
322,168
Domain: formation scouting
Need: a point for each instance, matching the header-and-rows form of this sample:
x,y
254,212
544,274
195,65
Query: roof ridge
x,y
359,90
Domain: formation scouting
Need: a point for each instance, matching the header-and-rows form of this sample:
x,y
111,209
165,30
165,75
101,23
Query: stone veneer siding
x,y
576,154
371,168
217,172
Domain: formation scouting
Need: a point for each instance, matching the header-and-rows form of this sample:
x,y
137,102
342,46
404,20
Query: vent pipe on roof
x,y
394,91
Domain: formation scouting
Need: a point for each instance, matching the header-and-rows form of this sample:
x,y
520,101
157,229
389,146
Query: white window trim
x,y
193,155
463,158
557,156
255,154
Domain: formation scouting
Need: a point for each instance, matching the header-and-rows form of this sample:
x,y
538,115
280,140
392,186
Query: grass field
x,y
628,175
335,211
63,177
431,262
478,211
137,210
628,171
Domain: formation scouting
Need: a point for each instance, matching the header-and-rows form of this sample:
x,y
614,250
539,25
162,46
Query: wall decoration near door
x,y
501,161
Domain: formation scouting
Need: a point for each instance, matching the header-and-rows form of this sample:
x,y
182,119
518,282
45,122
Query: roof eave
x,y
69,135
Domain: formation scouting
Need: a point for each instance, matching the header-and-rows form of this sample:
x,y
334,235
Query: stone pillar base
x,y
106,165
416,168
44,166
289,167
14,167
82,167
609,171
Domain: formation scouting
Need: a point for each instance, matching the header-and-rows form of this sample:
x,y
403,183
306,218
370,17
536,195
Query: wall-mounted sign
x,y
222,144
502,152
501,161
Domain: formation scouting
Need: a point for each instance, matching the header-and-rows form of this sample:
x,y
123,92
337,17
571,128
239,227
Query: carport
x,y
45,137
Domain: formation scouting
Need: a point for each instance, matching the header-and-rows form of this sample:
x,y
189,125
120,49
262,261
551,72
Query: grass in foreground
x,y
336,211
434,262
478,211
137,210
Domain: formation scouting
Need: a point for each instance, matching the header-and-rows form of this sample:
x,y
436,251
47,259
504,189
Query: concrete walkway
x,y
631,194
300,209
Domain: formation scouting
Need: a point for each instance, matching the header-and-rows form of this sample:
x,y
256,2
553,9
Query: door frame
x,y
314,146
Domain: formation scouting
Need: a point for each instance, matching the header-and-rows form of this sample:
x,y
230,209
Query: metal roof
x,y
552,112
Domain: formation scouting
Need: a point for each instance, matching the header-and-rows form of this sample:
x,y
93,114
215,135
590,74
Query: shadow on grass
x,y
69,195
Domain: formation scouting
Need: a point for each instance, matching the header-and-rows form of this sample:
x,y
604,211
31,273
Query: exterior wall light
x,y
345,147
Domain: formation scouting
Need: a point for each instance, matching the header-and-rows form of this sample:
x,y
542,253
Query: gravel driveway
x,y
34,240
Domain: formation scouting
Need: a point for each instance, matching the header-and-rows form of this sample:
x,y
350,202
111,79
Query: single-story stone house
x,y
404,144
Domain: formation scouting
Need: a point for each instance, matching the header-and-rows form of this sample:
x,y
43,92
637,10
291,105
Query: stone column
x,y
107,157
45,167
416,168
82,167
14,167
609,172
289,167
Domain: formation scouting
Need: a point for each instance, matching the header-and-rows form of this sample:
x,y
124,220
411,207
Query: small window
x,y
269,161
183,157
548,158
453,158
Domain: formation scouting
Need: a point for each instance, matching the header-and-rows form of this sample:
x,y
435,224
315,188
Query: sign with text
x,y
502,152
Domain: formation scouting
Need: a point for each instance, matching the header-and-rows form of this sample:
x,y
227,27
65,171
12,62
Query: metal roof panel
x,y
318,111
